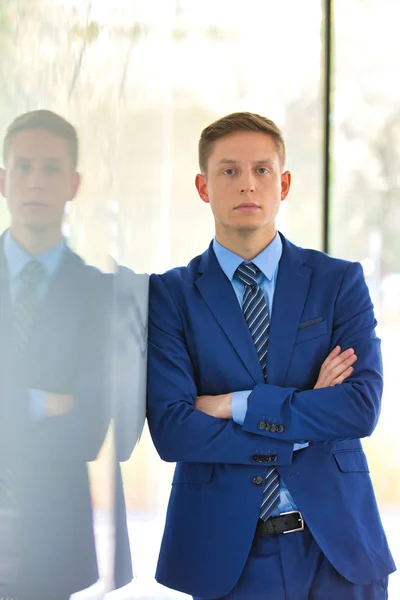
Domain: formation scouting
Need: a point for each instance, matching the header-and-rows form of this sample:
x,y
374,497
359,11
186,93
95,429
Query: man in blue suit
x,y
264,373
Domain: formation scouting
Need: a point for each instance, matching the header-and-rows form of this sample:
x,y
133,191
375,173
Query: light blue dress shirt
x,y
268,263
16,259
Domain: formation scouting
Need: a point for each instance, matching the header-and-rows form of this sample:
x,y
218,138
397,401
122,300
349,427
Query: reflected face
x,y
38,179
244,183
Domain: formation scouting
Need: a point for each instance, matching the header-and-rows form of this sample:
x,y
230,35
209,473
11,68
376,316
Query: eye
x,y
263,170
23,167
51,169
229,172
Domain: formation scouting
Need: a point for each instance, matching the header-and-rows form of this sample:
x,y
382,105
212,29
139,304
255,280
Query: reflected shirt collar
x,y
16,257
267,261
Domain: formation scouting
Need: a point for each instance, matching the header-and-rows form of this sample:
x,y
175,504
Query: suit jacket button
x,y
267,458
256,457
261,425
267,426
273,428
281,429
258,480
274,458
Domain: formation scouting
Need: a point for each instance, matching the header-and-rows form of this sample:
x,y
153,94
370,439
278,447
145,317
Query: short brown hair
x,y
239,121
48,120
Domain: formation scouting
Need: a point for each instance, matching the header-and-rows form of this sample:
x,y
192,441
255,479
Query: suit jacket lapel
x,y
57,320
218,293
63,294
289,299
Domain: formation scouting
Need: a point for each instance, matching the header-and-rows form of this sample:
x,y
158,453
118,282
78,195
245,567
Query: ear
x,y
76,184
3,182
201,186
286,179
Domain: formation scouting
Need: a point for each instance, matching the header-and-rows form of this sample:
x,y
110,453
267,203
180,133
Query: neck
x,y
36,240
246,244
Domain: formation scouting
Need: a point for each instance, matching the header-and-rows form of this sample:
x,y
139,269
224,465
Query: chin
x,y
251,222
248,228
38,224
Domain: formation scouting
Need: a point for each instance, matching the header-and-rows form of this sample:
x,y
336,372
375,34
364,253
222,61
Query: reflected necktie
x,y
255,312
24,312
25,303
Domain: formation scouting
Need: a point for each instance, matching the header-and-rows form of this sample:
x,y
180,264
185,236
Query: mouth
x,y
247,207
35,204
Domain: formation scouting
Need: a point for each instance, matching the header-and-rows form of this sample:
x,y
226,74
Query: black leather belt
x,y
286,523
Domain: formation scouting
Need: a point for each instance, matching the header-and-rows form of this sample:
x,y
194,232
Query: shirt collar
x,y
17,258
267,261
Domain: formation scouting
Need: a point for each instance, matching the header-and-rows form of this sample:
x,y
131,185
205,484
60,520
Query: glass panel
x,y
140,80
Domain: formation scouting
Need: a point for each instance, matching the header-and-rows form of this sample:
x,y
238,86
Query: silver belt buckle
x,y
301,521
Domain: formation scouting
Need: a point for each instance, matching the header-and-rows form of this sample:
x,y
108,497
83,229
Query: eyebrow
x,y
27,159
230,161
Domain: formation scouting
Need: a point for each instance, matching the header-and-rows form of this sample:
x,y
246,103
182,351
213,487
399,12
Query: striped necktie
x,y
255,312
25,303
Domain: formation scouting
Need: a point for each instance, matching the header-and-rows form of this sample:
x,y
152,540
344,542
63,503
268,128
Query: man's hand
x,y
215,406
336,368
58,404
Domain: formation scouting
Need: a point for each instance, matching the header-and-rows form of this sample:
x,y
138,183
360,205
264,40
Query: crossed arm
x,y
334,370
76,413
344,403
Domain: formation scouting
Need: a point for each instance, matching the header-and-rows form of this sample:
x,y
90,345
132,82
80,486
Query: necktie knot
x,y
247,273
33,273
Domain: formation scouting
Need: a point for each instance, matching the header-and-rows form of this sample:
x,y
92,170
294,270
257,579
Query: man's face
x,y
244,183
38,179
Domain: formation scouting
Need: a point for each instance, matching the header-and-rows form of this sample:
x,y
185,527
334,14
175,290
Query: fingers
x,y
335,352
336,357
59,404
343,376
335,366
341,367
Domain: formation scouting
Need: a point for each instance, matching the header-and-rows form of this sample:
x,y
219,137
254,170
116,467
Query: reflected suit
x,y
67,353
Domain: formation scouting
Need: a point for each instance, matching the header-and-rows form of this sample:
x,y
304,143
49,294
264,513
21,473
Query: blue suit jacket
x,y
199,344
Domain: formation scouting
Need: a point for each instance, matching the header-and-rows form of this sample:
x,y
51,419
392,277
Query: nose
x,y
247,184
35,178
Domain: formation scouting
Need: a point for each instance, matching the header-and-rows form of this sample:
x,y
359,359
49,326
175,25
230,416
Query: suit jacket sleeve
x,y
345,411
179,431
130,359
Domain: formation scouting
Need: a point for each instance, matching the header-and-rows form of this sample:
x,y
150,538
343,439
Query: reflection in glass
x,y
55,389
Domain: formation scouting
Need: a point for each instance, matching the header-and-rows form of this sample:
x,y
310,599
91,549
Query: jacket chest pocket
x,y
309,332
